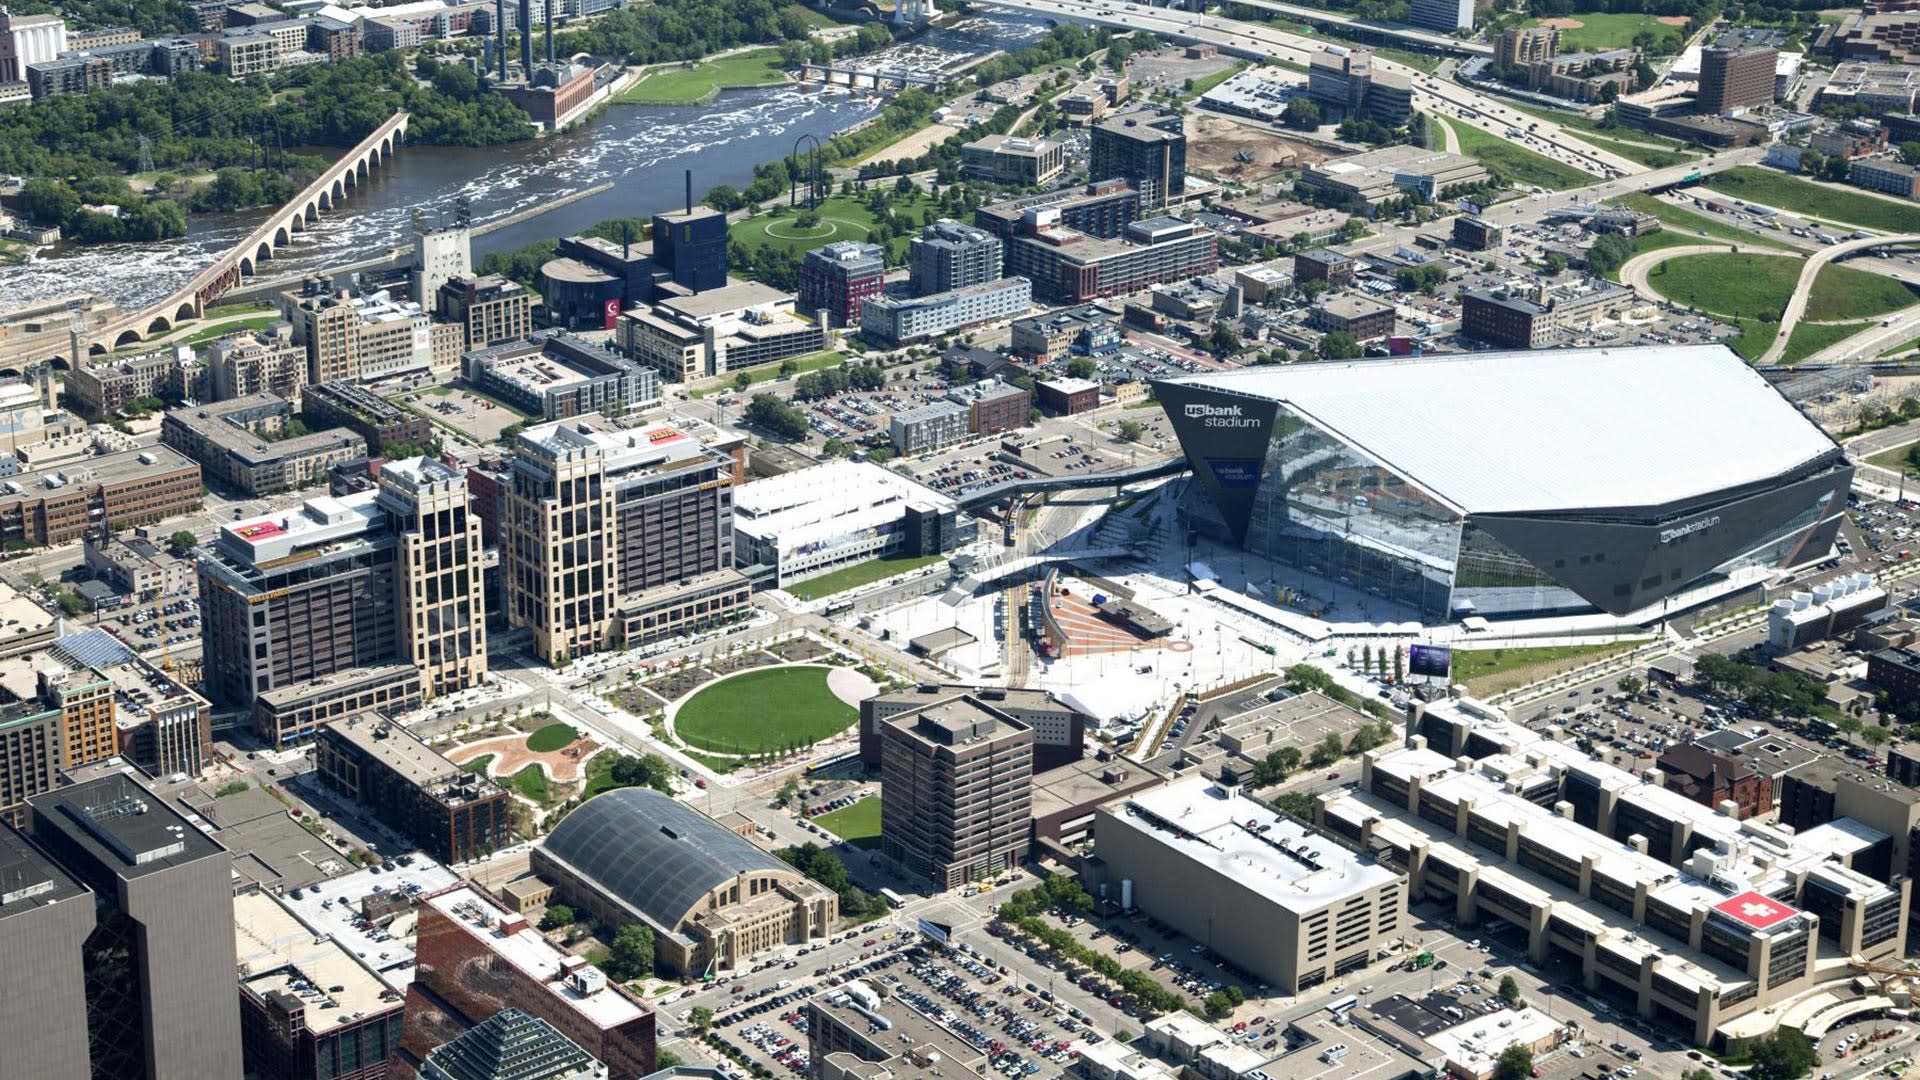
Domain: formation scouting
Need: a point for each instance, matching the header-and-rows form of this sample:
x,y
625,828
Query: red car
x,y
1333,776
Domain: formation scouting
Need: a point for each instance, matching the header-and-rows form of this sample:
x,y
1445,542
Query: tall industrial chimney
x,y
526,41
550,4
689,192
500,31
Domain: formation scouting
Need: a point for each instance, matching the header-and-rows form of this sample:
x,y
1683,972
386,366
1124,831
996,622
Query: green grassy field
x,y
1897,459
1600,30
772,371
704,80
1493,670
841,218
208,333
1208,82
852,577
551,737
1515,164
1755,337
1770,187
532,783
1584,123
1810,337
858,824
1676,218
478,765
1649,156
760,711
1841,292
1902,347
1747,285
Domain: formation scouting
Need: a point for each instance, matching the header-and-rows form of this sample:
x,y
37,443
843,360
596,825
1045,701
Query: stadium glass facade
x,y
1275,483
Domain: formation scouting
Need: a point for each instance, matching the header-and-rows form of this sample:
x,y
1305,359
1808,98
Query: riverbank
x,y
700,83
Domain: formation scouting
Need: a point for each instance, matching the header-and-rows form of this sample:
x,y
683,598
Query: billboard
x,y
1430,660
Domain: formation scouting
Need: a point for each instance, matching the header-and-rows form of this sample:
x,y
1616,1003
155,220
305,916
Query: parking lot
x,y
461,410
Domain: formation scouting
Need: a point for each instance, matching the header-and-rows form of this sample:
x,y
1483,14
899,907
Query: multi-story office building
x,y
475,959
80,699
133,487
452,814
948,255
160,724
353,407
1101,209
135,564
1067,266
298,709
30,748
492,308
1009,159
956,786
1366,180
1148,149
1536,321
1390,97
1520,46
368,336
1059,730
1338,77
158,966
46,915
691,247
374,578
1735,79
557,376
897,321
1891,177
726,329
807,522
1086,331
256,362
927,427
841,276
232,440
511,1045
309,1008
1363,318
1289,905
1445,16
603,529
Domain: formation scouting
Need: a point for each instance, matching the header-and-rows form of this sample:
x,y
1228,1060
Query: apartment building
x,y
380,577
895,321
948,255
1069,267
598,524
557,376
99,389
238,444
1100,209
257,362
1884,175
927,427
368,336
1148,149
490,308
956,787
841,276
452,814
380,423
1736,78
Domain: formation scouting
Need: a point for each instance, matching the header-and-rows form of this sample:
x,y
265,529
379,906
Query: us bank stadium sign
x,y
1220,416
1668,536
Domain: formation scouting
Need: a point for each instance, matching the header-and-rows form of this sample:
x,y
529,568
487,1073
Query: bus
x,y
1344,1006
894,900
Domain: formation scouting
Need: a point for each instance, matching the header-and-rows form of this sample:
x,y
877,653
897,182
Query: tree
x,y
1301,115
1516,1063
1223,341
1555,263
183,541
557,916
742,381
1509,989
1608,253
1910,152
701,1018
776,416
1080,368
1630,685
1339,345
1218,1005
1327,751
1130,430
630,954
1784,1055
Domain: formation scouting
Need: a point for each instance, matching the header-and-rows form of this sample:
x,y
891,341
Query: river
x,y
641,149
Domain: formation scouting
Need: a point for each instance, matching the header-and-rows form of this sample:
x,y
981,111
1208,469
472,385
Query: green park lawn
x,y
1841,292
532,783
756,712
551,737
1674,217
864,573
841,218
769,372
478,765
1770,187
1746,285
703,81
1600,30
1517,165
858,824
1494,670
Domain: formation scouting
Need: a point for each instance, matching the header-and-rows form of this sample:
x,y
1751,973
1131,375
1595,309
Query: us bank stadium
x,y
1513,485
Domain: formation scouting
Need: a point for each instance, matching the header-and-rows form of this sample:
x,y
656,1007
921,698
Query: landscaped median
x,y
1751,289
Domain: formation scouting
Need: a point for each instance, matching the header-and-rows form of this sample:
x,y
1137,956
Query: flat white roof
x,y
1474,1047
1565,429
827,501
277,953
1214,832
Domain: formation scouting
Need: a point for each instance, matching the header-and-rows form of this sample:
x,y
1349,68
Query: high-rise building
x,y
377,577
948,255
1445,16
309,1008
1339,77
840,276
492,308
956,785
257,362
1147,149
158,964
45,917
511,1046
612,534
1526,45
439,256
1739,78
691,245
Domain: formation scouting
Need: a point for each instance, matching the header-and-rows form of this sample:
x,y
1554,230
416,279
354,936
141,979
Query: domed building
x,y
711,898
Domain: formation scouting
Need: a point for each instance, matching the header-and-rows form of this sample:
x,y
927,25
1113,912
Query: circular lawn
x,y
551,737
756,712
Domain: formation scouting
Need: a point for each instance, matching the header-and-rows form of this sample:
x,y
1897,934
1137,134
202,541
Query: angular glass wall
x,y
1337,514
1495,582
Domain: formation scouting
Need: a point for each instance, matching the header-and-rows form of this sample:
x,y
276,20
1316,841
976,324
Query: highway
x,y
1896,329
1803,289
1412,35
1430,93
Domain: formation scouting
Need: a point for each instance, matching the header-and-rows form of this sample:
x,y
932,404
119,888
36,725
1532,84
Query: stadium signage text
x,y
1668,536
1220,416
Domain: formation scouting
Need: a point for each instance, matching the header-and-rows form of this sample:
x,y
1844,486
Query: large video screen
x,y
1433,660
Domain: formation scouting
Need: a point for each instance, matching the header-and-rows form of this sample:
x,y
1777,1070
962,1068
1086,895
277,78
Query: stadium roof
x,y
1565,429
656,854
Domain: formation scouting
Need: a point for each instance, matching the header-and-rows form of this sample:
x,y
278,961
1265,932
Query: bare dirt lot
x,y
1215,146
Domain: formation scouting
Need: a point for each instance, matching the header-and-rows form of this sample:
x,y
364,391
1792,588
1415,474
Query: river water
x,y
641,149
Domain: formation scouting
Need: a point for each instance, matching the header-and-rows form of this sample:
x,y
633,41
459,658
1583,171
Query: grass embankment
x,y
758,712
699,83
1208,82
1515,164
865,573
1842,292
1650,156
841,218
1490,671
1809,338
1674,217
830,358
1601,30
1769,187
1744,285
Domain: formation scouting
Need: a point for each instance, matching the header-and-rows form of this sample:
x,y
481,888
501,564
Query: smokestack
x,y
500,30
526,41
689,192
549,32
